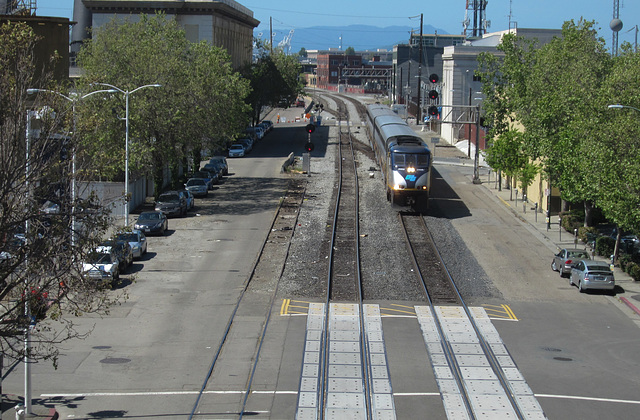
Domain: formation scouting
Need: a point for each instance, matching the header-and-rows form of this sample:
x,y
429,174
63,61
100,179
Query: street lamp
x,y
618,106
73,98
126,142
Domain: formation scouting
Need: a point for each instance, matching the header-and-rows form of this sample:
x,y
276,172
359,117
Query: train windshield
x,y
405,160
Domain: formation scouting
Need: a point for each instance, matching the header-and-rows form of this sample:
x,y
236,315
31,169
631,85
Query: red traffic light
x,y
433,94
309,147
433,78
433,110
310,128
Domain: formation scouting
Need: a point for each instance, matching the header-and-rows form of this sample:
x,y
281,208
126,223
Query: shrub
x,y
625,261
573,219
633,269
605,245
587,233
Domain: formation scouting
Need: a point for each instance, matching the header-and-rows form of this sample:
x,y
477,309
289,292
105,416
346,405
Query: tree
x,y
41,249
506,154
554,92
200,103
564,103
616,152
302,53
274,76
350,51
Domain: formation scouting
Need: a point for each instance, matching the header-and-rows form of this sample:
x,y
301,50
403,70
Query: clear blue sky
x,y
444,14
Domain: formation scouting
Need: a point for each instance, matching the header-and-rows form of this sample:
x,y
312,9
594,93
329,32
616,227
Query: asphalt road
x,y
149,357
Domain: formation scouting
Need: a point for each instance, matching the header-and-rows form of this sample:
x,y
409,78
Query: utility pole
x,y
419,113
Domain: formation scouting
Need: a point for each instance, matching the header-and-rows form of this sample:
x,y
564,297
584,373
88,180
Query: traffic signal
x,y
310,128
309,146
433,94
433,110
433,78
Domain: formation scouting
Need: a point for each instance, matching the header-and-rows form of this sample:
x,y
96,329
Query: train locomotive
x,y
404,158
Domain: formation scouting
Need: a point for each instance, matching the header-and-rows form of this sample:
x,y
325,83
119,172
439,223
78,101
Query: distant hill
x,y
360,37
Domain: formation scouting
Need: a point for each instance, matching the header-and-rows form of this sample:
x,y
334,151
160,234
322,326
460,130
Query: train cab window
x,y
404,160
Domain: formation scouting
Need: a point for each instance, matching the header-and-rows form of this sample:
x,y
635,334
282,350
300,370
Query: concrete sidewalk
x,y
38,409
627,290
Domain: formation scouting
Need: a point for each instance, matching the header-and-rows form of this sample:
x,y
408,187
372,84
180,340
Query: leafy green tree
x,y
302,53
199,104
40,246
274,76
562,107
350,51
504,84
616,152
506,154
554,92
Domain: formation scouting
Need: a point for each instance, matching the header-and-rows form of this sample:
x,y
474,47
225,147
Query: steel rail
x,y
231,319
449,354
366,370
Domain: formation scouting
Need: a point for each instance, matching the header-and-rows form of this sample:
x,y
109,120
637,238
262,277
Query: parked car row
x,y
114,256
583,272
244,145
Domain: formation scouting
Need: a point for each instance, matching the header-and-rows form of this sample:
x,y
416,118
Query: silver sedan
x,y
563,260
588,274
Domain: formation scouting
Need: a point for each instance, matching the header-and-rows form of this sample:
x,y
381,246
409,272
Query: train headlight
x,y
411,170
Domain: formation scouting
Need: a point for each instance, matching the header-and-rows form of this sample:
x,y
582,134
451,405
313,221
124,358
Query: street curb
x,y
630,305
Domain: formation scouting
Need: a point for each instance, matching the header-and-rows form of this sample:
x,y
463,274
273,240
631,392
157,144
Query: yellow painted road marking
x,y
300,307
500,312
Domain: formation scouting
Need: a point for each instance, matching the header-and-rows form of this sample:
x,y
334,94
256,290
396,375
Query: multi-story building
x,y
223,23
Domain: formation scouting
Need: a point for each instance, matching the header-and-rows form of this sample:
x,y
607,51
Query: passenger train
x,y
404,158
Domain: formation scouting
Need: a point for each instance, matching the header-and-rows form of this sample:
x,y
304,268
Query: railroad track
x,y
275,247
344,274
470,368
454,333
429,266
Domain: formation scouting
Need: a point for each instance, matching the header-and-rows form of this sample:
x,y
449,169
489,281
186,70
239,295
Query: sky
x,y
446,15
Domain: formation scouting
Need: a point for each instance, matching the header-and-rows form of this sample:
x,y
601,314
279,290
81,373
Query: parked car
x,y
267,124
121,249
236,150
152,222
260,131
300,103
198,187
589,274
247,143
252,133
137,241
102,266
563,260
211,177
223,162
191,201
214,168
172,203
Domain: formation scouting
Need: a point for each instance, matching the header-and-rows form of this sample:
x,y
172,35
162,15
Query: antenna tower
x,y
480,23
20,7
615,25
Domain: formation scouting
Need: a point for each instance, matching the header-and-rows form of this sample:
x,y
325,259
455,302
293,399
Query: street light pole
x,y
618,106
126,94
27,309
617,245
73,98
476,170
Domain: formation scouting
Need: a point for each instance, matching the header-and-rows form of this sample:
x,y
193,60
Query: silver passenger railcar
x,y
404,158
